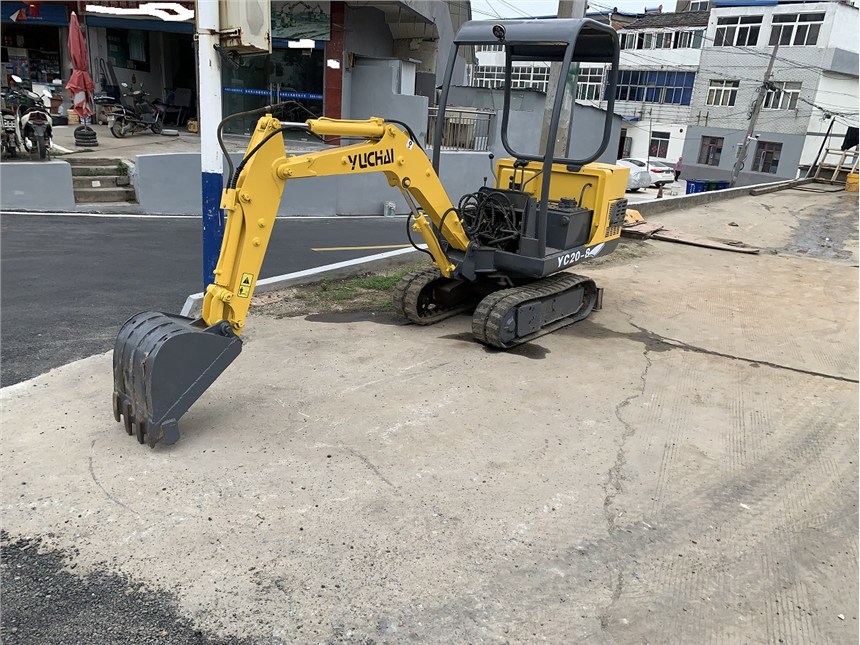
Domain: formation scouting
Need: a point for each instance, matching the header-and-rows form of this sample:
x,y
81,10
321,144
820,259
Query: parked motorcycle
x,y
142,115
34,126
10,142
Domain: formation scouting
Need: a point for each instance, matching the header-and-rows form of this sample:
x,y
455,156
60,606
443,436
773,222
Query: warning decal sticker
x,y
245,285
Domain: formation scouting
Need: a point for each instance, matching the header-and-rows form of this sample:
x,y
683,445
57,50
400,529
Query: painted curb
x,y
337,271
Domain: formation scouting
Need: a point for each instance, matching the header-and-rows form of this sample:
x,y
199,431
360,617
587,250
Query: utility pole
x,y
566,9
759,101
211,161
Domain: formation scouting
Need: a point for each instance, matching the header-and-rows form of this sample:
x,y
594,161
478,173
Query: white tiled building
x,y
814,82
659,65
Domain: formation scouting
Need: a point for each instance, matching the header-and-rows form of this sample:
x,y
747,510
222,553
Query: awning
x,y
111,22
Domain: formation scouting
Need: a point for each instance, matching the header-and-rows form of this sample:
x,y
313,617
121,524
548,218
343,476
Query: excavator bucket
x,y
162,363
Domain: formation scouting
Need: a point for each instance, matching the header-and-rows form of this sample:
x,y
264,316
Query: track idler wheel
x,y
162,363
424,297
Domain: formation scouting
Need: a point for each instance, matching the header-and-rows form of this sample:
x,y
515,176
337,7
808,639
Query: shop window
x,y
128,49
31,52
285,75
710,151
767,157
659,145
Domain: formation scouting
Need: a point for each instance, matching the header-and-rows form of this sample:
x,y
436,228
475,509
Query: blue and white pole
x,y
211,161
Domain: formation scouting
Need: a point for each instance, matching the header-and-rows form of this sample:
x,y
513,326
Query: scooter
x,y
10,143
33,122
143,115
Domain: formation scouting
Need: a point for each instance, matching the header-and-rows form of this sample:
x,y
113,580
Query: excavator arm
x,y
252,203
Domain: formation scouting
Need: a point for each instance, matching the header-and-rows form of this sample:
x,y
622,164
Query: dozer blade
x,y
162,363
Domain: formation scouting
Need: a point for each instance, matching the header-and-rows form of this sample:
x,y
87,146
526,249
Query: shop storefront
x,y
155,54
33,43
294,71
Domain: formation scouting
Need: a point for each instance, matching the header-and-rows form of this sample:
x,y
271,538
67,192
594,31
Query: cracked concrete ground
x,y
679,468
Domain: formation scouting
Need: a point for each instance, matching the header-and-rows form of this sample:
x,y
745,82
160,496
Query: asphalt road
x,y
69,282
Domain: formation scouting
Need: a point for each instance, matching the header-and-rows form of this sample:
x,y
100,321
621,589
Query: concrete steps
x,y
100,181
100,195
97,180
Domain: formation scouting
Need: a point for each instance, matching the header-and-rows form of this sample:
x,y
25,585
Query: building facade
x,y
342,59
659,64
813,90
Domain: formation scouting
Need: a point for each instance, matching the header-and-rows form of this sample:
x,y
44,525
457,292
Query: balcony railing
x,y
464,128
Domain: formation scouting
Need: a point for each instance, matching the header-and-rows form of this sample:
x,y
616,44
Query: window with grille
x,y
655,87
766,156
699,5
796,29
737,31
781,95
710,151
659,144
589,84
723,93
522,76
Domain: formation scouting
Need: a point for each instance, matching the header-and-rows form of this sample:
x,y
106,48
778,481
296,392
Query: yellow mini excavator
x,y
500,252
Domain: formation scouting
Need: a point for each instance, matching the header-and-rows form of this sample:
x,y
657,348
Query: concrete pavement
x,y
681,465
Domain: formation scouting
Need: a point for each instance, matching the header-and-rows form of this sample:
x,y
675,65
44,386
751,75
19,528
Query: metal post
x,y
759,100
211,162
566,9
821,149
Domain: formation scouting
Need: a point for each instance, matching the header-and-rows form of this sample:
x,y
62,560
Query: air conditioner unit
x,y
246,26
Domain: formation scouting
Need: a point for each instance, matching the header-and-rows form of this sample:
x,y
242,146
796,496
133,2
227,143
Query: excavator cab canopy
x,y
566,42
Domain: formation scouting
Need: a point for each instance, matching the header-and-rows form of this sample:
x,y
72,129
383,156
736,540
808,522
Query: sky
x,y
489,9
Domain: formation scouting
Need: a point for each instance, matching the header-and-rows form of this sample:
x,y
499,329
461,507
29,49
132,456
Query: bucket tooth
x,y
162,363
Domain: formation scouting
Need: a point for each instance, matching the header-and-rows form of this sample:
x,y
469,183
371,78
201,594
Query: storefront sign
x,y
301,20
170,11
29,13
281,95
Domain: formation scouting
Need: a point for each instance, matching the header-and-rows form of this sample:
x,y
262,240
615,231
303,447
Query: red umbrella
x,y
80,83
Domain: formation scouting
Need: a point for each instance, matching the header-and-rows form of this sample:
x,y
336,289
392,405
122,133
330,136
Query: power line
x,y
519,11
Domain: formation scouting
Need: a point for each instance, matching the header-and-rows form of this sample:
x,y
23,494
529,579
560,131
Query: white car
x,y
661,174
639,177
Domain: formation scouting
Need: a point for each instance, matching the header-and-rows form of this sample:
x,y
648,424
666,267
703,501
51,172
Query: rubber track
x,y
488,316
407,292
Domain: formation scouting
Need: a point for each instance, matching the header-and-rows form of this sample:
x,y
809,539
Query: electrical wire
x,y
519,11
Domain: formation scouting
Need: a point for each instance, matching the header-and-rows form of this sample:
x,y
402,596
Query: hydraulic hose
x,y
247,113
